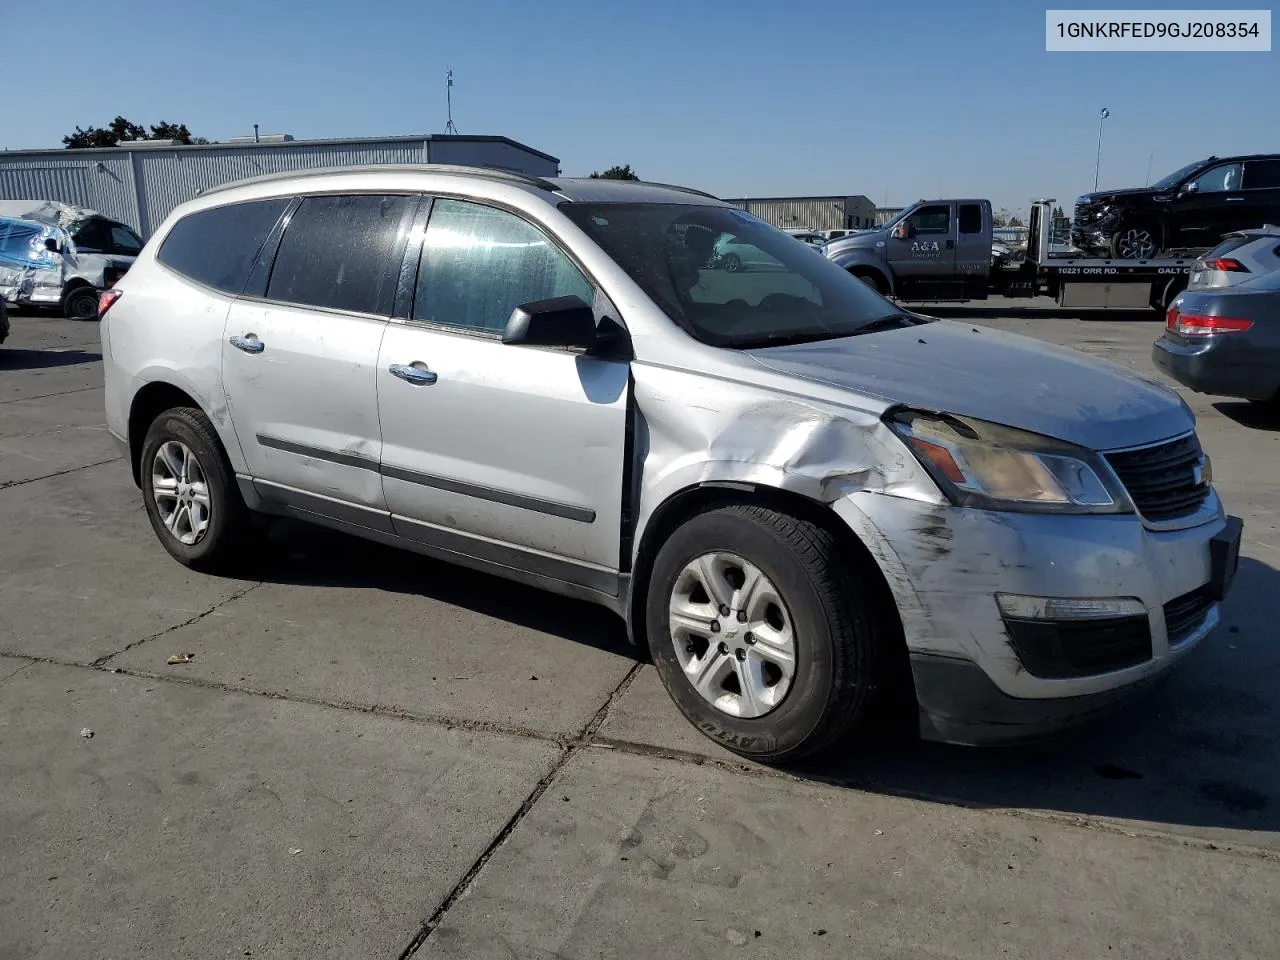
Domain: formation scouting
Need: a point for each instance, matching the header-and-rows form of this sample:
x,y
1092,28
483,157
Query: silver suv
x,y
811,506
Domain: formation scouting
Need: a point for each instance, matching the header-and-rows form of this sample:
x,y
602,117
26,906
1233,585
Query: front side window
x,y
1221,179
670,250
337,252
480,263
930,220
217,246
124,241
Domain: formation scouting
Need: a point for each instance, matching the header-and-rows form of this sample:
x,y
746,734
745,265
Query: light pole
x,y
1098,164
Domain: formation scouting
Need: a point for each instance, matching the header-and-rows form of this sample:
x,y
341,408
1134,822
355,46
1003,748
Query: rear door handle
x,y
1232,199
249,343
950,244
415,373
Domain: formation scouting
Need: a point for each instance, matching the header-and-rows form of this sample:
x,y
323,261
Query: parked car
x,y
1225,341
811,237
56,255
807,503
1239,257
1193,207
4,321
733,253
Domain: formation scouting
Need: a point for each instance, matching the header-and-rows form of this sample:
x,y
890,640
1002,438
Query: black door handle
x,y
950,244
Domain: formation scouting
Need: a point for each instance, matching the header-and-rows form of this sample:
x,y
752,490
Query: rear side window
x,y
337,252
1261,174
970,218
479,264
217,247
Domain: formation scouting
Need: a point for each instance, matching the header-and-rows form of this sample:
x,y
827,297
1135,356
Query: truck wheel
x,y
872,280
81,304
1134,241
757,628
190,492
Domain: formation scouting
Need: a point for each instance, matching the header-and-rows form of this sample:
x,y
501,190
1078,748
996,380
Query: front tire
x,y
1135,241
81,304
794,663
190,492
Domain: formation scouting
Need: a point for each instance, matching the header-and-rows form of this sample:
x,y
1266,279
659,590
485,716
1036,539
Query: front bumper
x,y
945,565
1224,367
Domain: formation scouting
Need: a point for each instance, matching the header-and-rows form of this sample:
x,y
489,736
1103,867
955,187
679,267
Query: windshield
x,y
1175,178
728,278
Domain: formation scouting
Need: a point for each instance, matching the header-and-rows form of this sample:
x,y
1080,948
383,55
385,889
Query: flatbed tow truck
x,y
939,251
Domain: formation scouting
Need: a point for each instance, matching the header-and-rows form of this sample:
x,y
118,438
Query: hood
x,y
1102,195
863,240
991,375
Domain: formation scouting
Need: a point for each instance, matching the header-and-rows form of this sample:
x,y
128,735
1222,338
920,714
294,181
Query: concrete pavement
x,y
471,769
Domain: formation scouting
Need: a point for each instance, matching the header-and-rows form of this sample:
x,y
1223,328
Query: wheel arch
x,y
151,400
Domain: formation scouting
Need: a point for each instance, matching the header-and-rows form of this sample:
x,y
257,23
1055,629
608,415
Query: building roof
x,y
833,199
274,145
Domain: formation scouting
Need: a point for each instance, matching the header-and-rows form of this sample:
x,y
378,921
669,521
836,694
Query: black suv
x,y
1191,208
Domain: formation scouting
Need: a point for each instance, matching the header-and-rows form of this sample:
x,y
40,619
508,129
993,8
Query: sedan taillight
x,y
1227,265
1200,325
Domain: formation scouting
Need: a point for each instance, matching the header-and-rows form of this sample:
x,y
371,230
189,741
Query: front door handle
x,y
249,343
415,373
950,244
1232,199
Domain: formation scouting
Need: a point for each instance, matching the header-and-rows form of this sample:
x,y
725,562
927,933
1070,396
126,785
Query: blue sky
x,y
895,100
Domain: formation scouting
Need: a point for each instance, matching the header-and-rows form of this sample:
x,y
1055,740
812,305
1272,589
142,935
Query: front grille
x,y
1058,649
1183,615
1165,481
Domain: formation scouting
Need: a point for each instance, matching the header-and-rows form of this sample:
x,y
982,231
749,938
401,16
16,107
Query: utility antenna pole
x,y
1102,115
449,128
1150,160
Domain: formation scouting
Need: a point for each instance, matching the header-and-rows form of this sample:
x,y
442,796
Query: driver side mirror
x,y
559,322
900,232
51,244
1189,188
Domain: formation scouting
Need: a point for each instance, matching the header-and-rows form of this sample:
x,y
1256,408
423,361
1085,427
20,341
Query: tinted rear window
x,y
217,247
337,252
970,218
1261,174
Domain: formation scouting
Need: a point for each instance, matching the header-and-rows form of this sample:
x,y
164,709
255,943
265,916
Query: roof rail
x,y
488,173
672,186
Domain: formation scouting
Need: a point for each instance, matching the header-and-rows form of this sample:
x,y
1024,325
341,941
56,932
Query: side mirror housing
x,y
1189,188
557,322
51,244
900,232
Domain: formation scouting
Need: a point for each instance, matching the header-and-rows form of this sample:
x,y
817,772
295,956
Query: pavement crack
x,y
60,473
45,396
103,661
583,739
10,676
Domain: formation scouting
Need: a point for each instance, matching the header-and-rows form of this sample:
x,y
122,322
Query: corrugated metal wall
x,y
817,213
103,182
141,187
167,178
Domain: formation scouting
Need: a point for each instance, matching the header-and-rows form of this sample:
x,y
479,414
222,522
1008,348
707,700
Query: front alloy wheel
x,y
181,492
733,635
1134,243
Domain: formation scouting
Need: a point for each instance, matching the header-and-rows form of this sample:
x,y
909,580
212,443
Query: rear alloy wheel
x,y
81,304
731,262
190,492
761,633
1134,242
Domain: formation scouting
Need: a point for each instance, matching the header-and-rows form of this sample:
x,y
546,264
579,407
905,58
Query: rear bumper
x,y
1228,369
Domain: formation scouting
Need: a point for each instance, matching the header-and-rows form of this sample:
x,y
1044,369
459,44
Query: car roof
x,y
574,189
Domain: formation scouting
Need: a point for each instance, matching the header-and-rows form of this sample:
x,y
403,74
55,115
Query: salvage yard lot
x,y
376,755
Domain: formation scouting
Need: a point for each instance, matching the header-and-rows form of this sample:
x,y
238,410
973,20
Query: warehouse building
x,y
140,182
813,213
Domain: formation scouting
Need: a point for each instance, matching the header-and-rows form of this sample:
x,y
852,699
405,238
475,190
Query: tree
x,y
615,173
120,130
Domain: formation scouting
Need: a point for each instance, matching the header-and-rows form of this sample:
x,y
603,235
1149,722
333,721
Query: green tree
x,y
120,130
615,173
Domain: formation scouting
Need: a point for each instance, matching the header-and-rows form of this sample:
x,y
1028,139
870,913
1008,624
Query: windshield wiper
x,y
782,339
893,321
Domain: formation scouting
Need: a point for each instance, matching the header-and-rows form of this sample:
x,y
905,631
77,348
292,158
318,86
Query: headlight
x,y
985,465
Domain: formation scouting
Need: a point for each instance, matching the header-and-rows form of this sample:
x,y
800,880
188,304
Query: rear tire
x,y
190,492
81,304
805,591
731,262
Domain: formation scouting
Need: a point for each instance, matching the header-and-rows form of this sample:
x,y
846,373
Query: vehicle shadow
x,y
300,553
1255,416
1201,750
1197,754
44,359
